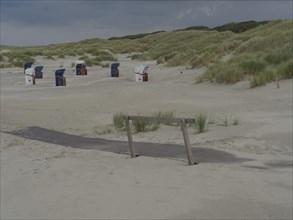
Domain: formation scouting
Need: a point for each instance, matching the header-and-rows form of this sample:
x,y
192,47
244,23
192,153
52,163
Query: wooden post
x,y
129,135
186,141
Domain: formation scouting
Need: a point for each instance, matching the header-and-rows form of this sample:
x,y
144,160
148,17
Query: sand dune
x,y
41,180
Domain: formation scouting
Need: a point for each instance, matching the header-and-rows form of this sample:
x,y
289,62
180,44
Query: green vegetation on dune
x,y
265,53
134,36
15,59
262,51
239,27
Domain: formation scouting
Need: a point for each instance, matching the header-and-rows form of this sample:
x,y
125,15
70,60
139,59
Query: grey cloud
x,y
77,20
40,13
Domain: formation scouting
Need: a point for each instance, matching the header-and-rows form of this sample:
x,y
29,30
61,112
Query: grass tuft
x,y
285,70
233,120
222,72
252,66
161,114
119,120
201,122
262,78
145,126
225,121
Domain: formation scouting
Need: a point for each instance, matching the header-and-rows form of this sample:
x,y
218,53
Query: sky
x,y
44,22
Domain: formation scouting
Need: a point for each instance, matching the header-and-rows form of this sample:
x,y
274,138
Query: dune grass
x,y
138,125
285,70
145,125
222,72
262,78
230,120
161,114
201,122
118,120
261,53
235,120
279,56
225,121
15,59
252,67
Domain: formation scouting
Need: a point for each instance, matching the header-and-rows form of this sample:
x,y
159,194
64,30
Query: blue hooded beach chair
x,y
59,77
38,72
115,70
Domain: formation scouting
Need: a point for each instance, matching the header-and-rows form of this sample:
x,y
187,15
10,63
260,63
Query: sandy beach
x,y
47,180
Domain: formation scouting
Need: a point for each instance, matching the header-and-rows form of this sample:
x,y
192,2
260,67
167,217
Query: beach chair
x,y
30,76
80,67
38,72
141,74
26,66
115,70
59,77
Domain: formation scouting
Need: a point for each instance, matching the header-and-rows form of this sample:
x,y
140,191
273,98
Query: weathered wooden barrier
x,y
181,121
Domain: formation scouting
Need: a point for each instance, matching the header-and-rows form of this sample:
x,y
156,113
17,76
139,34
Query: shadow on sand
x,y
172,151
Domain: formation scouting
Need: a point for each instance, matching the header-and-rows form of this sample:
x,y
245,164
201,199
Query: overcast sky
x,y
43,22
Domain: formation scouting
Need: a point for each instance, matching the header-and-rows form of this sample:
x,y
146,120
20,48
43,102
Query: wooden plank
x,y
161,119
187,143
129,135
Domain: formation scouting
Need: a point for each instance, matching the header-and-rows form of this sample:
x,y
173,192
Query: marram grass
x,y
118,120
262,78
145,125
201,122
